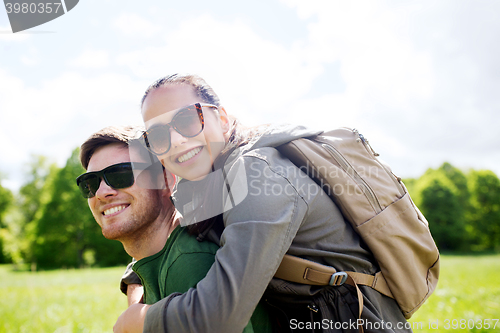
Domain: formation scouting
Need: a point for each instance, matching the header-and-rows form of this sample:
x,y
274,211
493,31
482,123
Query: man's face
x,y
124,213
189,158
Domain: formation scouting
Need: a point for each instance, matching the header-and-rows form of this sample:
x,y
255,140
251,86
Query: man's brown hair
x,y
107,136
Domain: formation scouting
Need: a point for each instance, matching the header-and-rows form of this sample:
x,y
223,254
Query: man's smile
x,y
114,210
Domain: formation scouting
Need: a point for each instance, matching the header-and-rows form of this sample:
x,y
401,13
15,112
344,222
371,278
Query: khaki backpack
x,y
381,211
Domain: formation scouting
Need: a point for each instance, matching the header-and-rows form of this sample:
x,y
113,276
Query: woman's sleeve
x,y
258,232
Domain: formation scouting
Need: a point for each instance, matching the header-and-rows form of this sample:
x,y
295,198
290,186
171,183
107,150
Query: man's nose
x,y
104,190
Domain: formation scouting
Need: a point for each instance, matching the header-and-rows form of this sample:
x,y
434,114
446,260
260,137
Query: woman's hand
x,y
132,319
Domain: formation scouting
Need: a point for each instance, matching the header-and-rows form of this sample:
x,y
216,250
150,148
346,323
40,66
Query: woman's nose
x,y
176,138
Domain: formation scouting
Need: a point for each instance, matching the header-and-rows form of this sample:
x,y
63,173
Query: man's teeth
x,y
189,155
114,210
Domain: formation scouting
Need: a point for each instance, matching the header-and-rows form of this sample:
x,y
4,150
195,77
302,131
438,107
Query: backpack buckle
x,y
338,279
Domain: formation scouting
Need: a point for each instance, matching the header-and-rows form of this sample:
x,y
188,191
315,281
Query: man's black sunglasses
x,y
117,176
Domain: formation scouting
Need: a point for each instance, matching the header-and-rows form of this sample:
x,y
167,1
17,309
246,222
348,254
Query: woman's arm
x,y
134,293
257,234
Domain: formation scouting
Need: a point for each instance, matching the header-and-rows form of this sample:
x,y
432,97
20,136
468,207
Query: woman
x,y
240,192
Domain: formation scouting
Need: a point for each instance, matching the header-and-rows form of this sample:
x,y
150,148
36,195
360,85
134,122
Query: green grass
x,y
468,290
89,300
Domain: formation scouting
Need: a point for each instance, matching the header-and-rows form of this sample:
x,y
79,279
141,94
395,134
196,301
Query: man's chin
x,y
111,236
112,233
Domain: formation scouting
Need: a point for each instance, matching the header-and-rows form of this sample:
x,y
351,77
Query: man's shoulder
x,y
185,243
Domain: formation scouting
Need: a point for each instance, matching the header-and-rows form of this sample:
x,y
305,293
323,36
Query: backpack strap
x,y
299,270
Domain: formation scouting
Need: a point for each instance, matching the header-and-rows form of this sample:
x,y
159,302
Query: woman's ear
x,y
224,120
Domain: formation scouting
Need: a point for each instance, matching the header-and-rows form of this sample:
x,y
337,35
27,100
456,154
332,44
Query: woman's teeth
x,y
189,155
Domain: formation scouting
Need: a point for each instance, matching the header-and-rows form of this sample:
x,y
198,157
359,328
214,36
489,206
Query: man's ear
x,y
224,120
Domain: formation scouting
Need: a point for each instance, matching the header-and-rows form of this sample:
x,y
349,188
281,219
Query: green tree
x,y
66,234
38,169
439,200
458,178
6,199
26,206
410,184
484,222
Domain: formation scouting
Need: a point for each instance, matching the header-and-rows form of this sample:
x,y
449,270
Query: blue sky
x,y
420,79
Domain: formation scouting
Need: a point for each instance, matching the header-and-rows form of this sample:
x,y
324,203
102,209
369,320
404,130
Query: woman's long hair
x,y
238,137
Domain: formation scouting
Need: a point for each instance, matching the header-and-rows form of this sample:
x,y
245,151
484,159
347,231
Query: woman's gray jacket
x,y
270,208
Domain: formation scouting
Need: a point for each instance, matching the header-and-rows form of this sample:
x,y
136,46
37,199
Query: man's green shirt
x,y
179,266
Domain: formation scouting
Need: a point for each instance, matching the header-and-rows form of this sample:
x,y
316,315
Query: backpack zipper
x,y
372,198
369,148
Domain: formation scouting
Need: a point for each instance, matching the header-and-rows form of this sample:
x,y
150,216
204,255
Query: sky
x,y
419,79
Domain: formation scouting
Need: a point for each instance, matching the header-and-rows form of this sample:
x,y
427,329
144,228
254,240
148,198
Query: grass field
x,y
86,300
468,293
89,300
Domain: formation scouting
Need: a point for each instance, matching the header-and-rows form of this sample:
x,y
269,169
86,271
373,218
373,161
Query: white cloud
x,y
91,59
416,73
11,152
6,34
31,58
131,24
378,62
398,86
255,77
59,115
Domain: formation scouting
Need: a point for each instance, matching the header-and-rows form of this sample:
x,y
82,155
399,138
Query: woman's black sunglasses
x,y
188,122
117,176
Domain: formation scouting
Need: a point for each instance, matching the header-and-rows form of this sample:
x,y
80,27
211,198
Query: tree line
x,y
48,223
463,209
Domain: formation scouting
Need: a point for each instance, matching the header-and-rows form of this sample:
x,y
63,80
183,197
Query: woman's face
x,y
190,158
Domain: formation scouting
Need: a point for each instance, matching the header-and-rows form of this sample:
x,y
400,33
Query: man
x,y
128,195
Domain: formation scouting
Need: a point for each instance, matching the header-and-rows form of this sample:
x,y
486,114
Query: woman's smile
x,y
188,156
